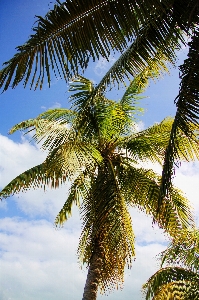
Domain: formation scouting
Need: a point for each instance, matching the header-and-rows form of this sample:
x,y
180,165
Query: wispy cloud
x,y
187,179
103,65
37,262
15,158
55,105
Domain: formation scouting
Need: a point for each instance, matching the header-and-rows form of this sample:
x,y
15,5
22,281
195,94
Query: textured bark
x,y
93,276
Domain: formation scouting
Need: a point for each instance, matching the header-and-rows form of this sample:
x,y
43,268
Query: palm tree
x,y
75,32
97,148
179,280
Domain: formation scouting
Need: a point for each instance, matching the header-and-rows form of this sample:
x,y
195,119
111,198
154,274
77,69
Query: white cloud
x,y
46,204
38,262
139,126
187,179
146,232
103,65
15,158
55,105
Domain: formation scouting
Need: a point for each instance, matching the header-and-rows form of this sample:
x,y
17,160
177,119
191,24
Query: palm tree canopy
x,y
180,278
97,148
145,34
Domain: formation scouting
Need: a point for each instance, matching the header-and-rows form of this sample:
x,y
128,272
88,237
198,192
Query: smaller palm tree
x,y
180,279
97,148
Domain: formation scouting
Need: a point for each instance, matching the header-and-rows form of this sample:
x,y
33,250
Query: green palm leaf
x,y
61,165
141,187
152,142
187,115
183,250
136,60
139,84
79,190
53,127
175,282
180,279
74,32
36,177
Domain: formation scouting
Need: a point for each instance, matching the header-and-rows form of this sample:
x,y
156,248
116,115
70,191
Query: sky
x,y
36,260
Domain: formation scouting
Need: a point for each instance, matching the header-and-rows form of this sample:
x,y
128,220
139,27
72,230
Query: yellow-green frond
x,y
172,283
178,290
78,191
141,188
184,250
74,157
59,115
52,127
28,124
149,143
152,142
37,177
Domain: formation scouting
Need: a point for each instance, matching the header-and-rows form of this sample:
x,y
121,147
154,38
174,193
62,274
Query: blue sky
x,y
37,261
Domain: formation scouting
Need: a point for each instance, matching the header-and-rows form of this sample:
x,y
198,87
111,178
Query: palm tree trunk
x,y
94,274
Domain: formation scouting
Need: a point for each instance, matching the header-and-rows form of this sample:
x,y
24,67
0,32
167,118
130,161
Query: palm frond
x,y
152,142
149,143
187,115
74,157
184,250
27,124
36,177
63,163
85,105
52,127
51,134
97,116
78,190
176,282
82,89
140,82
136,60
141,188
113,122
61,115
89,100
73,33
